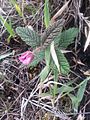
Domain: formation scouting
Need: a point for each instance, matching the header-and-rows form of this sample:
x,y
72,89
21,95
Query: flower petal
x,y
27,57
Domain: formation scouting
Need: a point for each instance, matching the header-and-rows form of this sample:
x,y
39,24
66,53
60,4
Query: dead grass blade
x,y
1,11
87,41
63,8
80,117
87,35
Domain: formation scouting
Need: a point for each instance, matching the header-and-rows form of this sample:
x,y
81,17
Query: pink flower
x,y
27,57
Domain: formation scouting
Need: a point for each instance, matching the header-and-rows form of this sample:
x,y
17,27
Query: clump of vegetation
x,y
39,60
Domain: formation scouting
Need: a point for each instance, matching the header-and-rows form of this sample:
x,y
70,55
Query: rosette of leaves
x,y
51,53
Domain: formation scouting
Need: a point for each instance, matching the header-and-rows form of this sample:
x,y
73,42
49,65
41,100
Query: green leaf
x,y
66,38
55,87
75,103
44,73
29,36
77,99
64,89
81,91
46,13
39,56
64,65
47,56
7,26
51,32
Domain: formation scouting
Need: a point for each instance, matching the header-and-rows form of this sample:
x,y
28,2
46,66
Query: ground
x,y
20,86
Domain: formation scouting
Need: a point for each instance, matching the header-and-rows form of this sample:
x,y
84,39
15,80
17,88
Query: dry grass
x,y
20,88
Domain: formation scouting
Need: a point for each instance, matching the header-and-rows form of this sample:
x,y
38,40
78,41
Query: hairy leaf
x,y
64,65
51,32
65,38
29,36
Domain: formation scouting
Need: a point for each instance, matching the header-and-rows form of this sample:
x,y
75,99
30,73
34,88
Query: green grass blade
x,y
7,26
81,91
47,56
44,73
77,99
46,13
17,7
56,80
